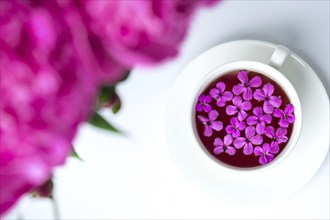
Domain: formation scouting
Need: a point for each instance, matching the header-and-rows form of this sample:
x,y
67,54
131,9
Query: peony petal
x,y
291,118
263,160
268,108
231,110
261,128
214,93
218,142
199,107
218,150
266,118
268,89
278,113
213,115
221,86
256,140
236,133
255,82
202,118
252,120
259,95
238,89
249,132
280,132
230,150
227,96
239,142
257,111
283,123
275,101
237,101
241,125
242,115
243,76
208,131
217,125
221,102
207,107
248,94
228,140
246,105
274,148
289,109
248,149
258,151
270,132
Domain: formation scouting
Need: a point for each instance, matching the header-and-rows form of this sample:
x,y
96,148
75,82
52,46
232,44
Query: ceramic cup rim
x,y
269,72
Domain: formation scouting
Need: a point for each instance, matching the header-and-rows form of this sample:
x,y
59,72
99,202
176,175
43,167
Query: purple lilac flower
x,y
270,102
210,123
235,127
248,141
286,117
277,138
239,107
220,94
203,104
259,119
246,86
224,146
265,154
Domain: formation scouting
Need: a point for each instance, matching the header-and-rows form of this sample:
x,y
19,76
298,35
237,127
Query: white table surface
x,y
134,176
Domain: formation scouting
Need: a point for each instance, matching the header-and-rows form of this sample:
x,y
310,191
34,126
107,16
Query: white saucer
x,y
277,183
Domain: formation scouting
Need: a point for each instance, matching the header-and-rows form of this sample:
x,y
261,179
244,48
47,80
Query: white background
x,y
133,176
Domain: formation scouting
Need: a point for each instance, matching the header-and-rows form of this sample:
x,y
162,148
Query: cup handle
x,y
279,55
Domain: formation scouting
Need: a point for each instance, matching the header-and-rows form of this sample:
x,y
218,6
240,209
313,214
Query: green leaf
x,y
74,154
98,121
116,107
106,93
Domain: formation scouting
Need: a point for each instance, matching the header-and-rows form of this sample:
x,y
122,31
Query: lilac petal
x,y
208,131
218,142
237,101
238,89
282,139
248,94
291,118
263,160
241,125
207,107
249,132
217,125
246,105
283,123
221,102
268,108
242,115
199,107
227,96
255,82
230,150
214,93
218,150
256,140
231,110
275,101
266,118
202,98
202,118
230,129
257,111
239,142
289,109
270,131
274,148
261,128
236,133
270,157
242,76
266,148
259,95
268,89
208,99
228,140
221,86
258,151
252,120
280,132
213,115
248,149
278,113
234,121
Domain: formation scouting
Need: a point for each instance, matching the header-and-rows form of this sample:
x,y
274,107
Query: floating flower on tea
x,y
220,94
259,119
265,154
270,102
235,127
210,123
277,138
286,117
203,104
247,142
246,85
224,146
239,107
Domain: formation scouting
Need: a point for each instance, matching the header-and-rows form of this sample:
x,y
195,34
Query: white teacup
x,y
270,70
